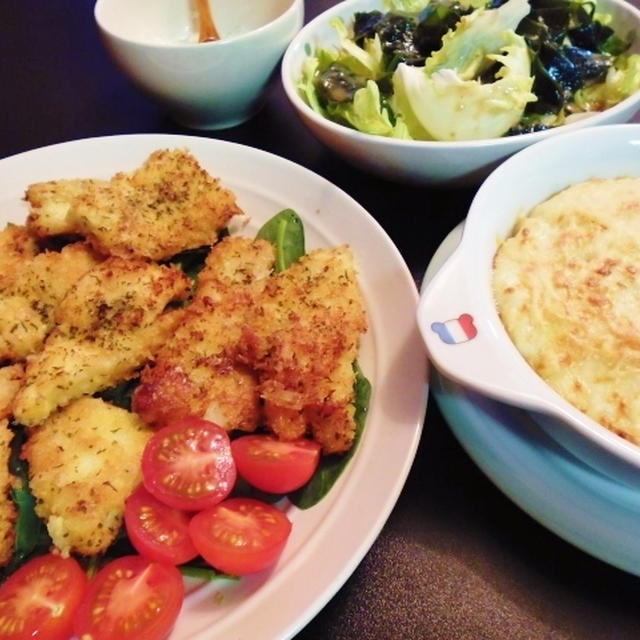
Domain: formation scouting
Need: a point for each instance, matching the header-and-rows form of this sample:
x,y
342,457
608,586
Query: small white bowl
x,y
427,162
211,85
460,294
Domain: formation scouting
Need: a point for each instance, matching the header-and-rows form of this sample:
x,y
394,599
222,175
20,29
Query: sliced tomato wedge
x,y
240,535
130,598
157,531
188,464
275,466
40,598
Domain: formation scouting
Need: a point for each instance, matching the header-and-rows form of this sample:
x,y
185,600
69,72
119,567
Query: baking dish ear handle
x,y
470,346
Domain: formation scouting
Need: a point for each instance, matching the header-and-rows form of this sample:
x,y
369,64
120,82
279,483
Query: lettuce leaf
x,y
365,60
447,100
306,86
484,31
367,114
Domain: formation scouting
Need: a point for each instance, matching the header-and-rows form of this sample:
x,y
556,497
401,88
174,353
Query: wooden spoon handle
x,y
208,31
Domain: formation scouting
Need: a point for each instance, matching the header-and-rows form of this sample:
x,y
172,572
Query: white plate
x,y
585,508
329,540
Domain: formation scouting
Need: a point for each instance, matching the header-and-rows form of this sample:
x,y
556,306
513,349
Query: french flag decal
x,y
456,330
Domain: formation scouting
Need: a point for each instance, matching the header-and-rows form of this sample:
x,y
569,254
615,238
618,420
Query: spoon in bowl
x,y
208,31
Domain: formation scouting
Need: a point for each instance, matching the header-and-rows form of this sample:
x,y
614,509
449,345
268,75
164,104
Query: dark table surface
x,y
456,558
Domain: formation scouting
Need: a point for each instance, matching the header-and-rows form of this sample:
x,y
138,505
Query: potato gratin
x,y
89,299
567,286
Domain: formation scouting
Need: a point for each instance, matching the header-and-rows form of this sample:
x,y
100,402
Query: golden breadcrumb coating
x,y
166,206
22,330
196,373
8,513
27,302
49,204
84,462
11,381
302,337
108,326
16,246
117,296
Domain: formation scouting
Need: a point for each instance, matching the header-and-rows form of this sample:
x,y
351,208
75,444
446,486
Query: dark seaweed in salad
x,y
570,48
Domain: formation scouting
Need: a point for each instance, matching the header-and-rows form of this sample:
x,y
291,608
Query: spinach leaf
x,y
286,232
198,568
31,532
120,394
242,489
191,261
332,466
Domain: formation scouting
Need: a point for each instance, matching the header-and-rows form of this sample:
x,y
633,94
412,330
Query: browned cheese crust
x,y
567,287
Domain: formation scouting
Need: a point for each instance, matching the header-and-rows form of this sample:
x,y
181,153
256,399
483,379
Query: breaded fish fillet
x,y
196,373
168,205
8,513
108,326
302,337
27,303
11,380
16,246
49,204
84,462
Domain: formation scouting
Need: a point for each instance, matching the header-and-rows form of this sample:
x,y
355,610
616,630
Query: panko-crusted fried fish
x,y
108,326
302,338
7,507
84,461
196,372
168,205
11,381
17,245
49,204
28,301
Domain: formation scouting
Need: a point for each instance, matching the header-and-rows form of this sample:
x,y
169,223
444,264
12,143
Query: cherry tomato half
x,y
275,466
39,599
157,531
240,535
130,598
188,464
